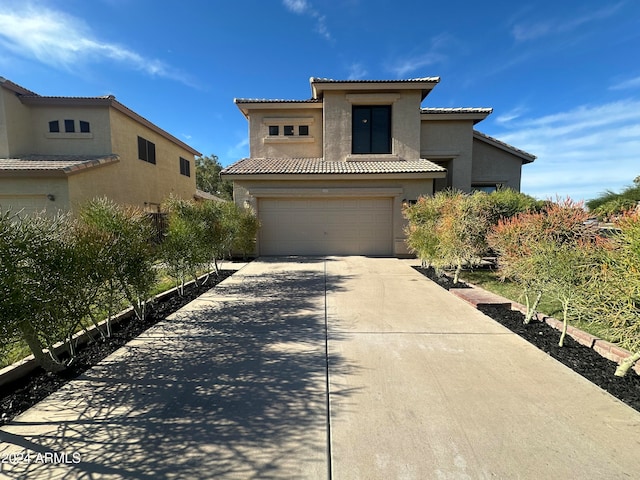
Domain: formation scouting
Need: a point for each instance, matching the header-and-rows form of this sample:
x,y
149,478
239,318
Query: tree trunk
x,y
626,364
456,275
531,310
30,336
565,310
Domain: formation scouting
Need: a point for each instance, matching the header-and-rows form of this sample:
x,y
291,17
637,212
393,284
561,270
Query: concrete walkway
x,y
345,368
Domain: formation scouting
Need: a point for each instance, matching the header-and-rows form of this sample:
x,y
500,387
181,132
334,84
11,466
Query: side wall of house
x,y
492,165
15,121
133,181
450,142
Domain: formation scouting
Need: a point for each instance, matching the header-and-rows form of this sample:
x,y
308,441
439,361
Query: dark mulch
x,y
583,360
18,396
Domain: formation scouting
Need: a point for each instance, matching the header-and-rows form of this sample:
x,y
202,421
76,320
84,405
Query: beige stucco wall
x,y
97,142
133,181
452,141
405,122
246,193
494,165
263,146
15,120
31,194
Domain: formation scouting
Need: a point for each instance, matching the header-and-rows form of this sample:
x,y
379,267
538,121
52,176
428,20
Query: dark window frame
x,y
85,127
146,150
371,129
185,167
69,126
303,130
288,130
274,130
54,126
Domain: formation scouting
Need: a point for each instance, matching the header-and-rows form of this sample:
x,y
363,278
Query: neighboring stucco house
x,y
330,175
58,152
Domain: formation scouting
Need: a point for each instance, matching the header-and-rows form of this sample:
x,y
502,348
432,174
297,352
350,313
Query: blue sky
x,y
563,77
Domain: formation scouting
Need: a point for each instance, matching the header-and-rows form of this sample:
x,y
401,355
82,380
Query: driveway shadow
x,y
235,386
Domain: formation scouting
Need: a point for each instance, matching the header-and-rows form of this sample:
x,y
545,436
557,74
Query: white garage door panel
x,y
326,226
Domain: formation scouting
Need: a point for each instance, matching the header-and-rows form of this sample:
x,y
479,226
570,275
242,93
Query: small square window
x,y
288,130
303,130
84,127
274,130
69,126
54,126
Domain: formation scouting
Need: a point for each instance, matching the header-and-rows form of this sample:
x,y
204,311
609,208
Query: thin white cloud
x,y
581,152
304,7
511,115
62,41
432,55
628,84
533,31
357,71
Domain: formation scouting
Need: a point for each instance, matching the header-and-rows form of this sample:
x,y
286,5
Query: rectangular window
x,y
185,167
54,126
69,126
371,129
303,130
274,130
288,130
84,127
146,150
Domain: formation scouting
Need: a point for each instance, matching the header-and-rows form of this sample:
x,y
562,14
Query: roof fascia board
x,y
475,116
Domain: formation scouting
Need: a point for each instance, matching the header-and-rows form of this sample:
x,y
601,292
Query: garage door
x,y
361,226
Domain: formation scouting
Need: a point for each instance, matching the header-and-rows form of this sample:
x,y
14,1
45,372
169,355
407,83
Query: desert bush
x,y
612,295
126,232
553,251
37,269
450,229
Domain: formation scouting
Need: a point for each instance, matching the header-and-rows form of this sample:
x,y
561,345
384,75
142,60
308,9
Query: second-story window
x,y
146,150
185,167
54,126
84,127
371,129
69,126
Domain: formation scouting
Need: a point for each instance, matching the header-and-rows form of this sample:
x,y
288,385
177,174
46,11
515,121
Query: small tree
x,y
127,231
612,295
208,179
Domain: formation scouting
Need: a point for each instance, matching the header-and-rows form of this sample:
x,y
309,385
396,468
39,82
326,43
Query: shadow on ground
x,y
234,387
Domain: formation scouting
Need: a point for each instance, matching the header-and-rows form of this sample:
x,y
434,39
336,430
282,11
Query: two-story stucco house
x,y
330,175
58,152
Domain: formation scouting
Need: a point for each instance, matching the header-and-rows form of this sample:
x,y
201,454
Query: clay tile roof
x,y
457,110
268,100
63,164
406,80
278,166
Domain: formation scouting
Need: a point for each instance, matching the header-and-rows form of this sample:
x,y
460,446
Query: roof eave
x,y
425,85
331,176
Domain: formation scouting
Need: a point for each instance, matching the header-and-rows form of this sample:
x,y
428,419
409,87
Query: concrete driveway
x,y
339,367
